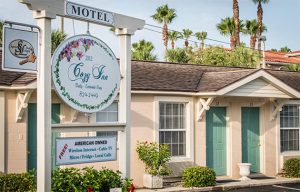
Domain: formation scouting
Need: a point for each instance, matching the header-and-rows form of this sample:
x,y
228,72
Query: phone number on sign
x,y
85,94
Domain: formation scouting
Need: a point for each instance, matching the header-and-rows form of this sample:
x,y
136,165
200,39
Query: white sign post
x,y
44,11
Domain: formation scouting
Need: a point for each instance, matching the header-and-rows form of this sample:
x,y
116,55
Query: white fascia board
x,y
164,93
206,94
30,86
266,76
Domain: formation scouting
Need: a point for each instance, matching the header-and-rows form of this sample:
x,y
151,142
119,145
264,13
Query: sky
x,y
282,18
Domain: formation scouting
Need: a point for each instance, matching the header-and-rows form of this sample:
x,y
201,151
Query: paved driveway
x,y
271,188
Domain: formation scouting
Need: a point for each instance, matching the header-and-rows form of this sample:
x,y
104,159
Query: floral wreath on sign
x,y
78,48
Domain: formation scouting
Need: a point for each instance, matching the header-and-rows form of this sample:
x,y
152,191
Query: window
x,y
289,128
110,114
172,128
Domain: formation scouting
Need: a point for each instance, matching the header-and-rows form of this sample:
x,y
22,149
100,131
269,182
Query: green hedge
x,y
69,179
291,168
15,182
76,180
198,177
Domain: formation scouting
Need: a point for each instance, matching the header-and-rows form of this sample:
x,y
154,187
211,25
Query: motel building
x,y
209,116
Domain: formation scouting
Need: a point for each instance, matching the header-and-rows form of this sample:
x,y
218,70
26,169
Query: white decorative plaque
x,y
85,73
20,50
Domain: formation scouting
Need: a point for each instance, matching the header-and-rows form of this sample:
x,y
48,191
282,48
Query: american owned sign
x,y
85,150
85,73
89,13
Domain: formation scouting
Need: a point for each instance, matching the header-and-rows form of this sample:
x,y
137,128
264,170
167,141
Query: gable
x,y
258,88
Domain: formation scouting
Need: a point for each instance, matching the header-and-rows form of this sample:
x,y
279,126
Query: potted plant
x,y
155,158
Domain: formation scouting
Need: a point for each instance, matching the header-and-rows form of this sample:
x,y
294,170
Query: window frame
x,y
109,112
173,129
93,119
189,124
289,128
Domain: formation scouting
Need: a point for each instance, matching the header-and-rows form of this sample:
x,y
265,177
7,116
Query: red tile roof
x,y
280,57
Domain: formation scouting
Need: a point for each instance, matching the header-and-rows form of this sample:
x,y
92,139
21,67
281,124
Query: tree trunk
x,y
173,44
202,44
232,42
165,35
259,23
165,38
252,41
236,22
186,43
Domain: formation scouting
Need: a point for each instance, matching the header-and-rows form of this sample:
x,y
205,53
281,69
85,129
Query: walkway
x,y
235,184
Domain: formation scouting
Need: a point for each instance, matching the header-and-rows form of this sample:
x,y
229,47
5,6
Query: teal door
x,y
32,135
216,139
250,138
31,139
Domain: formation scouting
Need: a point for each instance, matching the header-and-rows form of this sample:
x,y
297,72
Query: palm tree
x,y
57,37
235,8
186,34
178,55
292,67
226,27
259,19
165,16
173,36
142,50
251,29
201,36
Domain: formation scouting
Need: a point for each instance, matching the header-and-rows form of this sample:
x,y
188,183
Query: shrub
x,y
18,182
73,180
291,168
155,157
110,179
91,179
68,179
198,177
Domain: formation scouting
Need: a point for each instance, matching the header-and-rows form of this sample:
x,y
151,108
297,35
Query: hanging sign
x,y
85,73
20,48
85,150
91,14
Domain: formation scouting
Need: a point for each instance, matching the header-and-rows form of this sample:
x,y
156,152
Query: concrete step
x,y
172,181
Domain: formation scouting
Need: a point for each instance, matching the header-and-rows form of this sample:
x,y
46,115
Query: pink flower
x,y
79,54
75,44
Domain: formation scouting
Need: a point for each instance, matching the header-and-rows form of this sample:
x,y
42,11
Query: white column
x,y
44,103
2,132
125,100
